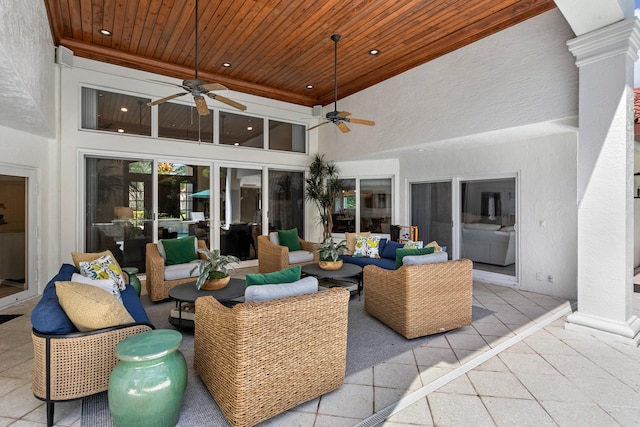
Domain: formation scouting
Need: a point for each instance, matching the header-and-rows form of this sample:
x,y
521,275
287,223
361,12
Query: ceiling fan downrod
x,y
335,38
196,77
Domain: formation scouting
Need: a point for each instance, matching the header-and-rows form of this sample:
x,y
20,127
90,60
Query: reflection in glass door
x,y
183,201
431,212
119,208
240,211
488,224
13,220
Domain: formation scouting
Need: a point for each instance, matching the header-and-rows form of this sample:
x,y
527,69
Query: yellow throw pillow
x,y
90,308
434,244
351,240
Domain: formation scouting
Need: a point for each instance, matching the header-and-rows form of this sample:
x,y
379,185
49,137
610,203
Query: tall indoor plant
x,y
323,188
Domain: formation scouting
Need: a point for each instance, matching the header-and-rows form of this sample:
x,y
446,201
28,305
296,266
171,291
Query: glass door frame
x,y
32,278
481,275
456,232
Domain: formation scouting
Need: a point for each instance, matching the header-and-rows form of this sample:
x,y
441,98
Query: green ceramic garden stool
x,y
133,278
147,385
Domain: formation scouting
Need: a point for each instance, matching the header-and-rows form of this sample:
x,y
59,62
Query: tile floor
x,y
515,367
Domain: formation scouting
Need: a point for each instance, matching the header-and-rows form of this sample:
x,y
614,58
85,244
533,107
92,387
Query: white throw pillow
x,y
361,247
108,285
373,244
257,293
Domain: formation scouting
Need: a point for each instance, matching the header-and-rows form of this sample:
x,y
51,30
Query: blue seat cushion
x,y
48,317
389,264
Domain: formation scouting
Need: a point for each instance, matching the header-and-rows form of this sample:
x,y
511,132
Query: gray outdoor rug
x,y
369,343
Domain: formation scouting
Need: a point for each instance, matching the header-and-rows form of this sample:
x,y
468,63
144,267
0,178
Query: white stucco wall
x,y
519,76
27,68
506,104
546,204
24,150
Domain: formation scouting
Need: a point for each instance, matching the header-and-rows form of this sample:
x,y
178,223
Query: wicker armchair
x,y
76,365
272,257
419,300
261,359
157,287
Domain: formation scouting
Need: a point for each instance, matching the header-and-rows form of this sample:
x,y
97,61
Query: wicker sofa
x,y
259,359
158,285
68,364
274,257
419,300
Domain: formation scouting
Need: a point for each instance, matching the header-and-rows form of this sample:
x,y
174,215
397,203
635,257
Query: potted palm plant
x,y
213,273
329,252
323,187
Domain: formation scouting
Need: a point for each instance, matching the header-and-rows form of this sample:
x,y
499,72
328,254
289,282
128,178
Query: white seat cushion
x,y
296,257
425,259
257,293
180,271
273,236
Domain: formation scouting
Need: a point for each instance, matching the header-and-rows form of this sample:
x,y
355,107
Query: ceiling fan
x,y
198,88
340,118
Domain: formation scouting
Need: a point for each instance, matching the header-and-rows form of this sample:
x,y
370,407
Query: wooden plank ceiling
x,y
278,47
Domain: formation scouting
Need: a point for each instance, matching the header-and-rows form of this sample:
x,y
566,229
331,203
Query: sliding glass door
x,y
17,234
482,213
240,211
488,224
118,214
131,202
431,210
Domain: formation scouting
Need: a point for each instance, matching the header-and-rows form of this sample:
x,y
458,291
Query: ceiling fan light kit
x,y
340,118
198,88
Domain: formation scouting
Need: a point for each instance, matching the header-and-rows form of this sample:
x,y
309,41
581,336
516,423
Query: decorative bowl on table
x,y
330,265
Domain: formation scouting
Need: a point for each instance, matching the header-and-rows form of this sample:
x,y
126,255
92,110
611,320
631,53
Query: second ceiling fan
x,y
198,88
340,118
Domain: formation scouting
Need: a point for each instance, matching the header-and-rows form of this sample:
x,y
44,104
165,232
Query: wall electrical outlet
x,y
539,276
550,278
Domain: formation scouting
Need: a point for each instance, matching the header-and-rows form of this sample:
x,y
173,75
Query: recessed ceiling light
x,y
226,64
309,86
374,52
120,130
249,127
236,143
124,109
104,32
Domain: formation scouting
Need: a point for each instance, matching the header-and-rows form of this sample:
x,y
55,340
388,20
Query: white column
x,y
605,59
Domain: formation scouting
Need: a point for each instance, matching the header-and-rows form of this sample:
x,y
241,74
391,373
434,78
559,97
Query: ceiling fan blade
x,y
343,127
227,101
343,114
362,122
165,99
213,86
320,124
201,105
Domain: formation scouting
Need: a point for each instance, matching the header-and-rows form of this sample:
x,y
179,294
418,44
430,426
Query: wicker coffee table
x,y
350,272
188,293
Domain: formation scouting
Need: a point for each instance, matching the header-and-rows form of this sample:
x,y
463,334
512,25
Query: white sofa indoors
x,y
489,243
